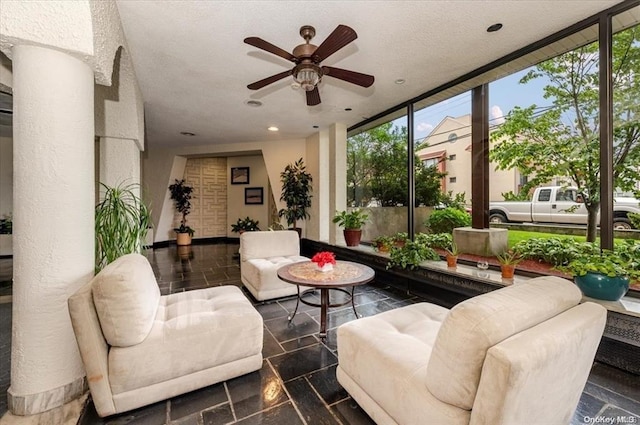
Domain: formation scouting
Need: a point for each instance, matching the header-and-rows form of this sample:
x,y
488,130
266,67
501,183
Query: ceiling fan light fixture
x,y
308,75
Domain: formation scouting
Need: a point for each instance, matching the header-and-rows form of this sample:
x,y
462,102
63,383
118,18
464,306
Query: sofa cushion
x,y
477,324
192,331
386,355
126,296
281,243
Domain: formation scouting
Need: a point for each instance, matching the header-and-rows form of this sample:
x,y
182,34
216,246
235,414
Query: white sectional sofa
x,y
518,355
261,254
139,347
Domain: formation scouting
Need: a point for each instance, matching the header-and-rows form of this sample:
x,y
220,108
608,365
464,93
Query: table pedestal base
x,y
324,305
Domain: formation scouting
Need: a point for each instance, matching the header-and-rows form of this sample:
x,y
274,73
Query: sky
x,y
504,94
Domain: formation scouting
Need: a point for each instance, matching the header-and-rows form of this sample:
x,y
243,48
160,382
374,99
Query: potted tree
x,y
352,223
508,261
121,224
296,188
245,225
181,196
605,276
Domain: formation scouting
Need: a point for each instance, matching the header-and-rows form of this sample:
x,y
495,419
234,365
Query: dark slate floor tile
x,y
301,325
588,407
198,400
271,310
297,343
620,416
155,414
290,303
348,412
326,384
612,397
615,380
219,415
312,409
300,362
270,346
256,391
285,414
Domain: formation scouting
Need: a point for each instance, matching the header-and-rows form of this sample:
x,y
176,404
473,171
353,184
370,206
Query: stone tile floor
x,y
297,383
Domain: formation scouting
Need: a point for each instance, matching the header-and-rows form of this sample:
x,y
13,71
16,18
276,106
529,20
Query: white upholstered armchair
x,y
139,347
518,355
261,254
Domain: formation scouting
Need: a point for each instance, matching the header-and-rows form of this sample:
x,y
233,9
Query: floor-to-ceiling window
x,y
377,177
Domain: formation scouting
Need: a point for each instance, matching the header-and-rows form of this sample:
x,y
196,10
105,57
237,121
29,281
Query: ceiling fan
x,y
307,57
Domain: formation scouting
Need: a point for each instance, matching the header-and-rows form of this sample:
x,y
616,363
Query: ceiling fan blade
x,y
265,82
313,97
265,45
339,38
353,77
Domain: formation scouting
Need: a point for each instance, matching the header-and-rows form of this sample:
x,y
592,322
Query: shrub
x,y
635,220
410,255
435,240
555,251
444,221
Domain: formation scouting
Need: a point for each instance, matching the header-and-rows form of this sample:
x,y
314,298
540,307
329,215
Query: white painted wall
x,y
119,162
161,166
258,177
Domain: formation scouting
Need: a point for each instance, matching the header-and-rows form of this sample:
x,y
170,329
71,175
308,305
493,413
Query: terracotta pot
x,y
508,270
383,248
452,260
352,237
183,239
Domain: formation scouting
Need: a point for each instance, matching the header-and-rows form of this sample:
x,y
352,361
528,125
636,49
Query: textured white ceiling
x,y
193,67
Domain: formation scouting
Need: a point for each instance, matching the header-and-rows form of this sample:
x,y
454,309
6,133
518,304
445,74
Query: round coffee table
x,y
344,274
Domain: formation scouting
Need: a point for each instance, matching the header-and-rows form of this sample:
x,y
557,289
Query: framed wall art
x,y
253,196
240,175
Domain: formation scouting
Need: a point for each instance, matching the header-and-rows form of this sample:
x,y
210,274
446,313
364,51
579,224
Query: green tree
x,y
563,140
377,168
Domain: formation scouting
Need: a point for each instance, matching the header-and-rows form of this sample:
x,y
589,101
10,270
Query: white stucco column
x,y
337,177
317,227
53,128
119,162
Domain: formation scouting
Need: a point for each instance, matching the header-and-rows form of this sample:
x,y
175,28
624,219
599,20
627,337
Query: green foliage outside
x,y
445,220
377,170
121,223
554,251
563,140
624,261
435,240
410,255
635,220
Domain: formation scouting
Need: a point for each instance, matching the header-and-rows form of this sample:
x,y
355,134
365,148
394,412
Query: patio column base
x,y
485,242
30,404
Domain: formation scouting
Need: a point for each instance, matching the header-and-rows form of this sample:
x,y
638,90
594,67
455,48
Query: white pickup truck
x,y
558,204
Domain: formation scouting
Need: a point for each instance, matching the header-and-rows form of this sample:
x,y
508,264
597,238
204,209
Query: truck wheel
x,y
622,223
497,218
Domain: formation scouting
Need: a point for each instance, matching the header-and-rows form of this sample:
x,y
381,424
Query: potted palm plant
x,y
296,188
121,223
181,196
351,222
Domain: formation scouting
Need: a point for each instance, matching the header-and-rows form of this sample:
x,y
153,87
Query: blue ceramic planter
x,y
602,287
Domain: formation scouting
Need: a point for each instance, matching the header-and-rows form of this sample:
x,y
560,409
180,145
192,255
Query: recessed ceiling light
x,y
400,81
273,128
316,126
254,103
187,133
348,109
494,27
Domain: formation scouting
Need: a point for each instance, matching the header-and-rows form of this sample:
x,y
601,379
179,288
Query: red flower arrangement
x,y
324,257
